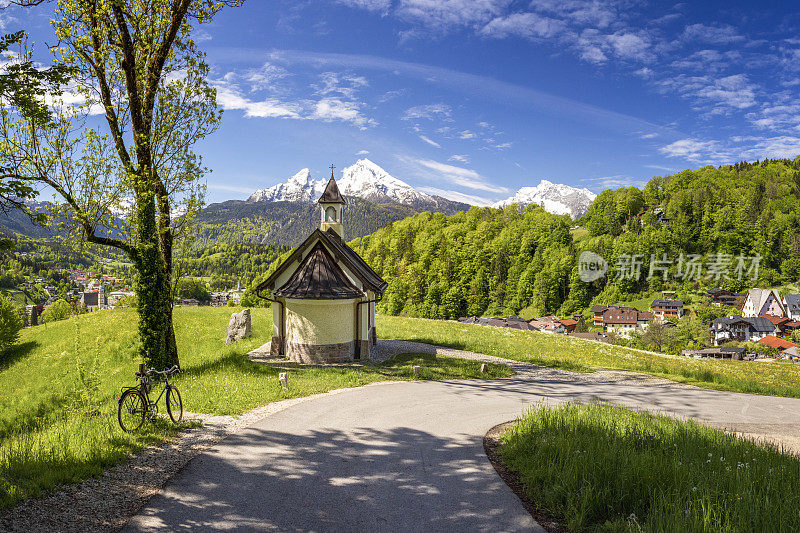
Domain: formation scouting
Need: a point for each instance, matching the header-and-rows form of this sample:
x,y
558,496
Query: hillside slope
x,y
287,223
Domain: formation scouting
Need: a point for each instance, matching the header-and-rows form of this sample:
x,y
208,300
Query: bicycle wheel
x,y
174,404
131,410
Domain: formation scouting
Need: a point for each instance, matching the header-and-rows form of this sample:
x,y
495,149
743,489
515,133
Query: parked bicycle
x,y
135,404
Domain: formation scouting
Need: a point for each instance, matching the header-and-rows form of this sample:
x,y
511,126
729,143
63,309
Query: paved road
x,y
408,456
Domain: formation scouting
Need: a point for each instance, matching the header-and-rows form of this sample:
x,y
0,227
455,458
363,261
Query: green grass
x,y
19,298
569,353
603,468
59,389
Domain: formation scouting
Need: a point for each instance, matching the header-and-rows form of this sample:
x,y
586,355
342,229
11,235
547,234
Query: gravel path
x,y
107,503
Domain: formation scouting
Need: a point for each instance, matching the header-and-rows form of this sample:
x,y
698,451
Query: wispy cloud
x,y
230,188
461,158
430,141
333,98
428,111
460,176
458,196
511,94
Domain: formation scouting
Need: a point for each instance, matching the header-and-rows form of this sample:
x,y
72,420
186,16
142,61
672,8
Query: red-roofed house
x,y
780,323
569,324
775,342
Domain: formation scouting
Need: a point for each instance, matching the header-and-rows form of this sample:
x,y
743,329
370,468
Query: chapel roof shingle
x,y
319,278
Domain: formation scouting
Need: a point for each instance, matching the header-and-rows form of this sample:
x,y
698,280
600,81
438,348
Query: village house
x,y
740,329
547,325
791,304
115,297
723,352
236,294
721,297
623,320
763,302
774,342
666,309
323,296
93,300
779,322
219,299
570,324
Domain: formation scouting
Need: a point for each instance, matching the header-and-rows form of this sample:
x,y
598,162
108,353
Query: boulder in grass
x,y
239,326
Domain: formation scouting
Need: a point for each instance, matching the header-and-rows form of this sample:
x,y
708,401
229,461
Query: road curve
x,y
408,456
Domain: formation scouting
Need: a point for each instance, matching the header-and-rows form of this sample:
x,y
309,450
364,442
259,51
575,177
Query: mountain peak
x,y
556,198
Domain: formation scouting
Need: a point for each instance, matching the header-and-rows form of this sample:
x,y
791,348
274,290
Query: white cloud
x,y
661,167
370,5
613,182
429,112
714,34
738,148
629,45
229,188
459,157
648,136
503,146
229,98
463,177
362,152
334,105
467,134
458,196
261,78
692,150
712,94
527,25
345,85
330,109
444,15
430,141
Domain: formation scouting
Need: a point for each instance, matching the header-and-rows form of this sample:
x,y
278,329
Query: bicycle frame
x,y
144,387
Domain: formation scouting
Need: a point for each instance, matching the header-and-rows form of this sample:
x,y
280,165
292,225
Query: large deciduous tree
x,y
121,138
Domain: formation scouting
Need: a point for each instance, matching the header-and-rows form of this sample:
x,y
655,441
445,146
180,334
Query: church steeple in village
x,y
331,207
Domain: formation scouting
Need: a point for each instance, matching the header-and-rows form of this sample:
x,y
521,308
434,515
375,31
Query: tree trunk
x,y
152,288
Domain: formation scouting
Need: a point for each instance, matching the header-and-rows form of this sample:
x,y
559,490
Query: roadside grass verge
x,y
579,355
603,468
59,388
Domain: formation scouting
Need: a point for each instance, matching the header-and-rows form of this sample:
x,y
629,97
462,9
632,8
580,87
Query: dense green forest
x,y
489,261
744,210
226,265
484,261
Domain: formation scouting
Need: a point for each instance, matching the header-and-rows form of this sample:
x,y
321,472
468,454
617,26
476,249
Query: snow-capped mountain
x,y
364,179
554,197
298,188
367,180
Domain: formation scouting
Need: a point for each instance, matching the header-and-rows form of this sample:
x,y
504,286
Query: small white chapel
x,y
323,296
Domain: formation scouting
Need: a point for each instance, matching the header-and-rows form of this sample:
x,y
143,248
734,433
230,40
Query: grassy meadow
x,y
59,388
603,468
568,353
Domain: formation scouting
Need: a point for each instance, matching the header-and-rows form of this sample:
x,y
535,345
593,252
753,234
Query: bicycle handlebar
x,y
167,371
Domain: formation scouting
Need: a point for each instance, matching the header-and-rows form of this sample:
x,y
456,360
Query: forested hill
x,y
492,261
483,261
287,223
743,209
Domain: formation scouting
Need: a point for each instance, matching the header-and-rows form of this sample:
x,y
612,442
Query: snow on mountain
x,y
367,180
298,188
364,179
554,197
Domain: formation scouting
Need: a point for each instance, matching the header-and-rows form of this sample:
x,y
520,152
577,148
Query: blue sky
x,y
472,99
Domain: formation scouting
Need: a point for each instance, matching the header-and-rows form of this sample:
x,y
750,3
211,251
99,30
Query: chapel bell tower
x,y
331,206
